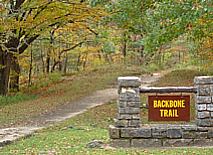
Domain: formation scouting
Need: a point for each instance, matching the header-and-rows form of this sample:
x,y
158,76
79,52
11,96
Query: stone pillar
x,y
204,101
128,103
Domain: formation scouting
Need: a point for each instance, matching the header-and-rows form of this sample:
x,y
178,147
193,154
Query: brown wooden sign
x,y
169,108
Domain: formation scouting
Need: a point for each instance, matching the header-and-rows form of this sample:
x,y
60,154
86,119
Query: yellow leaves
x,y
39,15
8,24
208,43
24,61
201,21
206,53
2,9
204,21
96,61
90,49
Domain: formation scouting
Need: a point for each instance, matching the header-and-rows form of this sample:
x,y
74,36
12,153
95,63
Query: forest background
x,y
48,39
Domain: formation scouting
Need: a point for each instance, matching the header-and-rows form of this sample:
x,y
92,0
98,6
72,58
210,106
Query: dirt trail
x,y
69,110
66,111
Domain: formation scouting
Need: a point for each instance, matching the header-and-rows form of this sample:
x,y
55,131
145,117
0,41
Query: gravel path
x,y
8,135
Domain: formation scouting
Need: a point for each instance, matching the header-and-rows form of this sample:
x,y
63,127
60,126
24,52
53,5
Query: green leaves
x,y
35,17
170,19
109,47
128,14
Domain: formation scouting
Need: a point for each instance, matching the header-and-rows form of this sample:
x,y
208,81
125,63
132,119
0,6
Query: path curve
x,y
69,110
8,135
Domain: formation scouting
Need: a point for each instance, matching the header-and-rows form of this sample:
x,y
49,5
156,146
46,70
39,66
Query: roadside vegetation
x,y
66,89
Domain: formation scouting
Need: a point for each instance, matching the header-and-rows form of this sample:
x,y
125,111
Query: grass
x,y
71,88
183,77
19,97
72,135
42,81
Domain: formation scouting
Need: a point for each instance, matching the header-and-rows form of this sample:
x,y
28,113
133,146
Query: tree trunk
x,y
65,64
49,51
59,56
179,56
14,79
59,63
42,58
54,65
60,66
99,55
85,61
123,48
5,64
6,60
124,45
109,58
141,55
48,62
78,64
31,68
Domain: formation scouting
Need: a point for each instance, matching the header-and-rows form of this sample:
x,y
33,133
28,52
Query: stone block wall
x,y
128,102
161,135
204,100
128,130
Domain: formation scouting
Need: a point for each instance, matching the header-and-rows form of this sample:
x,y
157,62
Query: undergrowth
x,y
14,99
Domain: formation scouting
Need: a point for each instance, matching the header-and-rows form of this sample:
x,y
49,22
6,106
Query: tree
x,y
129,16
168,20
23,21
